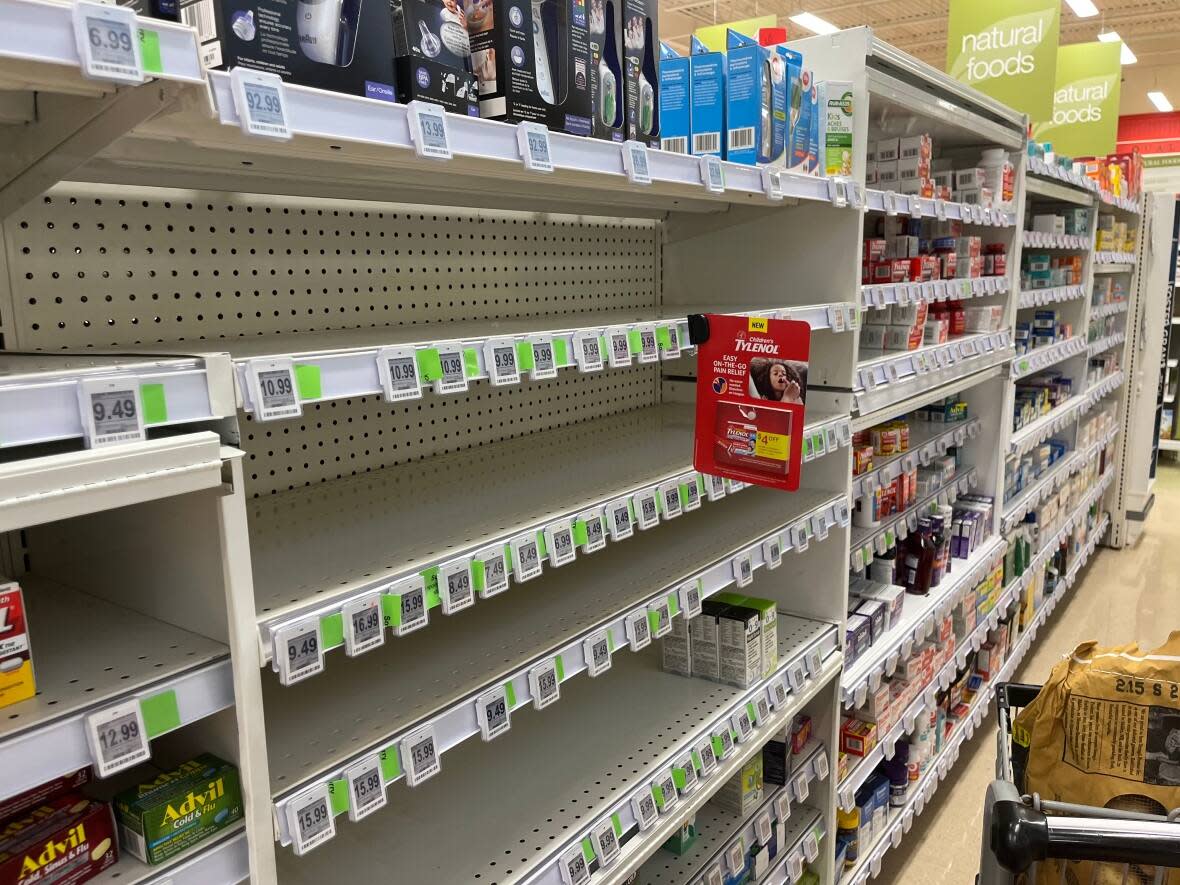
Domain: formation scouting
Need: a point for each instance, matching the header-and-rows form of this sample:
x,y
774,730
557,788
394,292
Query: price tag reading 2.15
x,y
117,738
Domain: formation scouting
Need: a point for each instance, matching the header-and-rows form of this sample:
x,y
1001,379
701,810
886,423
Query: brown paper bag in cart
x,y
1105,731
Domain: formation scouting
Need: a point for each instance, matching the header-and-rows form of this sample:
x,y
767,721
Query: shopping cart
x,y
1019,831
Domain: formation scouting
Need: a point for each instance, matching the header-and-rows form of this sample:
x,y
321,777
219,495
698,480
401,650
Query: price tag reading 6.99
x,y
107,42
117,738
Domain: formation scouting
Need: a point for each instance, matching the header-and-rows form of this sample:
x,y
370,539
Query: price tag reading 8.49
x,y
544,685
366,788
419,756
409,596
595,533
596,650
618,347
107,42
428,130
618,520
309,819
111,412
499,355
647,512
588,352
559,539
364,627
495,571
117,738
544,362
533,141
272,389
526,558
398,368
492,713
454,377
298,651
454,586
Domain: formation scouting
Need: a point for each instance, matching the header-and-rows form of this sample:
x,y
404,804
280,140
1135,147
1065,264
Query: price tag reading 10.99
x,y
453,378
117,738
398,368
366,788
274,390
309,818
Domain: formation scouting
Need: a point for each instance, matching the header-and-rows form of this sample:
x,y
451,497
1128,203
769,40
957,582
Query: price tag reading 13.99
x,y
428,130
117,738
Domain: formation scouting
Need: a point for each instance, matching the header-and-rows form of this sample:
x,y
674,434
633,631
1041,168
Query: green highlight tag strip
x,y
657,793
560,666
610,641
477,575
391,610
617,824
696,759
391,766
561,352
155,405
470,362
602,345
332,630
653,621
588,850
429,364
635,341
663,338
580,535
679,778
542,547
338,796
674,604
307,381
807,447
752,713
149,50
160,713
430,578
524,356
510,694
508,559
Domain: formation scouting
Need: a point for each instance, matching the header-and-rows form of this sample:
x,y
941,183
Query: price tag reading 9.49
x,y
596,650
366,788
419,755
298,651
492,713
117,738
110,411
309,819
364,626
595,533
107,43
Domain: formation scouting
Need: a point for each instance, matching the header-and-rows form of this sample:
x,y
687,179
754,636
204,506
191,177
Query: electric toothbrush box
x,y
533,63
675,101
641,71
338,45
606,69
756,102
432,53
793,64
707,70
799,148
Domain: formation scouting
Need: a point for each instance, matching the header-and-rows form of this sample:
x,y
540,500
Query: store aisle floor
x,y
1124,596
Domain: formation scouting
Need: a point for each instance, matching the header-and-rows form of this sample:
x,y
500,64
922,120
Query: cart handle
x,y
1021,836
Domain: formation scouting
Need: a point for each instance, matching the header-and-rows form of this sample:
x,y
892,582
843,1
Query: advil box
x,y
16,656
64,841
751,386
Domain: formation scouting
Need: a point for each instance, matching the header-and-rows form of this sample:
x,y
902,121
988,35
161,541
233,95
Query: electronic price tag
x,y
574,869
819,526
670,499
111,411
618,520
309,819
690,598
705,758
595,532
492,713
454,586
596,650
660,618
761,710
298,651
638,629
672,349
743,570
428,130
533,140
796,675
409,595
889,198
544,361
723,743
499,355
606,843
801,787
810,847
688,773
664,788
782,806
117,737
777,692
763,828
714,487
454,376
495,571
735,856
799,538
559,539
940,210
643,806
837,318
838,192
526,558
398,368
107,40
691,498
712,174
647,511
772,552
272,389
915,207
366,788
815,663
364,627
742,725
635,162
772,183
856,197
820,764
544,684
649,351
419,756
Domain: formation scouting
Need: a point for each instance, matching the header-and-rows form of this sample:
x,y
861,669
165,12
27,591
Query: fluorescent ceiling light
x,y
1082,8
1160,101
1126,56
814,23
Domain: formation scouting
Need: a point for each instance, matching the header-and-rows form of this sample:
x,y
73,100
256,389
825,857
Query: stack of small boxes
x,y
1047,328
1021,472
1114,235
1038,394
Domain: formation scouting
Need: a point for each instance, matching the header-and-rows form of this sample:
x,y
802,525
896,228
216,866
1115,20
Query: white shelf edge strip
x,y
956,434
1101,311
1106,343
902,204
819,439
1045,357
1032,497
1042,428
1042,240
952,360
1039,297
879,295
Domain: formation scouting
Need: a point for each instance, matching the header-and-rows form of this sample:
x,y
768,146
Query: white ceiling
x,y
1150,27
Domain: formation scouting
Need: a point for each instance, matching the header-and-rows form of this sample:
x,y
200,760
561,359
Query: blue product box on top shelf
x,y
756,102
675,101
708,100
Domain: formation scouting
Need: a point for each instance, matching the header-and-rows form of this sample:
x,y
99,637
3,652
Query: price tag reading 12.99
x,y
261,104
117,738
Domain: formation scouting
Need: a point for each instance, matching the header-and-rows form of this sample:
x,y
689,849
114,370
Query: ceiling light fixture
x,y
814,23
1082,8
1160,101
1126,56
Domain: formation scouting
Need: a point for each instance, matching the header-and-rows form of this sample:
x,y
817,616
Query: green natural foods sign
x,y
1006,49
1085,118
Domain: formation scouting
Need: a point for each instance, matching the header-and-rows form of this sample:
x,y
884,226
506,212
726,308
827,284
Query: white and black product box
x,y
676,647
739,631
606,69
338,45
433,54
532,61
705,641
641,71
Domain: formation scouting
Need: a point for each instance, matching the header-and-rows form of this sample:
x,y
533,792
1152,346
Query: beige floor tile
x,y
1124,595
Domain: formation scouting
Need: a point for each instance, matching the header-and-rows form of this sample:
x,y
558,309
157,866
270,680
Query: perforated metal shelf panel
x,y
496,812
377,696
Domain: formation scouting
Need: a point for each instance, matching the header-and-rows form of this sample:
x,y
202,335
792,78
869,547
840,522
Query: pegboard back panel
x,y
106,266
345,438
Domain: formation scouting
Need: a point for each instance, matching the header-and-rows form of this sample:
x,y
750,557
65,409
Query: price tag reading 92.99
x,y
410,594
398,368
596,650
309,819
261,103
107,43
559,539
492,713
454,586
117,738
364,627
526,558
419,755
298,651
366,788
533,140
499,356
544,685
111,412
428,130
454,376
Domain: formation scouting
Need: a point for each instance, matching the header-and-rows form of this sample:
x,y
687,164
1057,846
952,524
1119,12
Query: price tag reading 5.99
x,y
117,738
